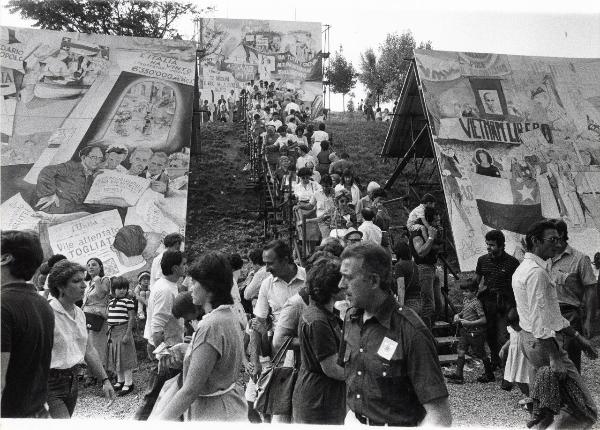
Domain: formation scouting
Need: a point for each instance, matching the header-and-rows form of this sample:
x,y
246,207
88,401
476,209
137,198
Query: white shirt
x,y
323,203
274,292
252,289
155,270
370,232
319,136
304,193
290,106
159,316
537,301
302,160
70,337
292,126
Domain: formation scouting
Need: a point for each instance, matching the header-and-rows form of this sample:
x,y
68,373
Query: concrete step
x,y
446,340
447,359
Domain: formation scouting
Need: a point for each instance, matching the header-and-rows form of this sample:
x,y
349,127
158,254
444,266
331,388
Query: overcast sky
x,y
566,28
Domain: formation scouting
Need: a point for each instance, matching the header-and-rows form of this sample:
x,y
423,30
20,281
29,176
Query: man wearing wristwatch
x,y
425,251
541,323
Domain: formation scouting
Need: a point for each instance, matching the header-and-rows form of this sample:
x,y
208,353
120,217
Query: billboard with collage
x,y
517,139
285,52
95,143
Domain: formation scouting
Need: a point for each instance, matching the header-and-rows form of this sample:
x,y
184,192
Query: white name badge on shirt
x,y
387,348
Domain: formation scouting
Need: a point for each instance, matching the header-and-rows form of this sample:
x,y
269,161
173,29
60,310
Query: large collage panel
x,y
285,52
95,142
517,139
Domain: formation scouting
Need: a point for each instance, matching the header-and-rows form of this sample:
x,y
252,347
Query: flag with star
x,y
507,204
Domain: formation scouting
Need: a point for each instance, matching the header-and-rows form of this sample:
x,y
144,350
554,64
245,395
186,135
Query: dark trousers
x,y
62,394
568,343
155,384
495,314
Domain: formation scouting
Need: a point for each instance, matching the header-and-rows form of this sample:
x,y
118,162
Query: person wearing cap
x,y
353,236
471,321
366,201
391,366
141,293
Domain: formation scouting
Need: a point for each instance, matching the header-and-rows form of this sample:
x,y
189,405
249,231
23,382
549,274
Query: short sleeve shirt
x,y
274,292
394,389
318,397
27,334
408,270
572,273
472,311
289,316
219,329
497,272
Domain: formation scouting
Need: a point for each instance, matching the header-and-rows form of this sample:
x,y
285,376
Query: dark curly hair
x,y
61,273
323,279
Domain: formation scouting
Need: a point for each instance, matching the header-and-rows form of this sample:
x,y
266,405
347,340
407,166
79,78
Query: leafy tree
x,y
341,75
116,17
350,105
391,67
370,75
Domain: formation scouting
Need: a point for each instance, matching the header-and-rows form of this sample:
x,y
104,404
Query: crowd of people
x,y
355,324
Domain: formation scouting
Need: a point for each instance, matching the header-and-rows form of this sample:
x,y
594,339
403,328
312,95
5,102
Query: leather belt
x,y
72,371
369,422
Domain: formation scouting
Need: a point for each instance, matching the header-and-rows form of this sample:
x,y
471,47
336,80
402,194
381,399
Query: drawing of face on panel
x,y
485,164
490,98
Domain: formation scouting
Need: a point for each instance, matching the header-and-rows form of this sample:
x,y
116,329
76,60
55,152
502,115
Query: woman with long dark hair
x,y
214,358
95,306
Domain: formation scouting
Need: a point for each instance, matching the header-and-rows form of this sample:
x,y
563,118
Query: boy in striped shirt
x,y
471,322
122,357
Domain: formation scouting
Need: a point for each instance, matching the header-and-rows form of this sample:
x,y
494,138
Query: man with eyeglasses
x,y
571,271
540,320
62,188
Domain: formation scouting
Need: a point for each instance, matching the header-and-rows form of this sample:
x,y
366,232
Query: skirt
x,y
230,406
98,339
120,356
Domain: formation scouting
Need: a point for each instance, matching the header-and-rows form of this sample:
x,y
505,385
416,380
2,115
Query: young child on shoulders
x,y
418,214
472,327
121,356
142,293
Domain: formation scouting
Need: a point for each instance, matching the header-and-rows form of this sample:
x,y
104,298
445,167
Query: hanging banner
x,y
89,123
517,139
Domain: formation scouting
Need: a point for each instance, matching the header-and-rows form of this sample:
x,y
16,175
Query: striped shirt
x,y
118,310
497,272
472,311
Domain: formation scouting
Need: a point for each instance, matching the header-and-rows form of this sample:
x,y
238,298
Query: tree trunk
x,y
343,102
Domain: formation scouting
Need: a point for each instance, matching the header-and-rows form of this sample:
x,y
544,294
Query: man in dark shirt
x,y
390,362
496,269
27,329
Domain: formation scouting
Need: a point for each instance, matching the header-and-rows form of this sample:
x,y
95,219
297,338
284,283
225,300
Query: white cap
x,y
372,186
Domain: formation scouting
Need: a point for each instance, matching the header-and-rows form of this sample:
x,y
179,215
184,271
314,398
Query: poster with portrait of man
x,y
90,125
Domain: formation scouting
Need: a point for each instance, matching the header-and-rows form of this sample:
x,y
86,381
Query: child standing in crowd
x,y
142,292
121,355
517,367
418,213
471,322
